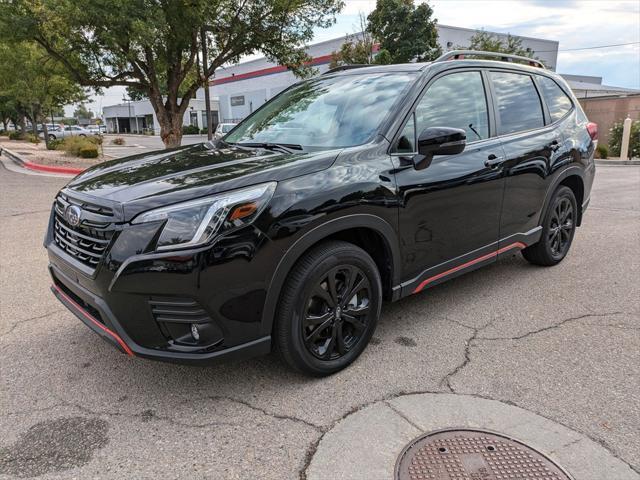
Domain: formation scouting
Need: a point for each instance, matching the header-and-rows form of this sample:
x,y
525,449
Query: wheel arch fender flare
x,y
573,170
317,234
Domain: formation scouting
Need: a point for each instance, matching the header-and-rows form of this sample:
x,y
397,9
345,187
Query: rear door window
x,y
518,102
557,101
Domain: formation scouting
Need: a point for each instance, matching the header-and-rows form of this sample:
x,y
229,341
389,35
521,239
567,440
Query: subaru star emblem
x,y
72,215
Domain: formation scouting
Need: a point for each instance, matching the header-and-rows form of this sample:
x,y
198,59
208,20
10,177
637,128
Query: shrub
x,y
4,133
88,151
16,135
615,139
118,141
95,139
55,144
602,151
33,138
190,130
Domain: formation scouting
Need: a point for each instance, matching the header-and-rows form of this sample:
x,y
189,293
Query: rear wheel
x,y
329,308
557,230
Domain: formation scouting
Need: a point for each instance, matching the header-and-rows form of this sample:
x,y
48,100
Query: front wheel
x,y
557,230
329,308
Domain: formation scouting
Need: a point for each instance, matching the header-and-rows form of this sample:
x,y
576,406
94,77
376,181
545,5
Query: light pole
x,y
124,99
205,68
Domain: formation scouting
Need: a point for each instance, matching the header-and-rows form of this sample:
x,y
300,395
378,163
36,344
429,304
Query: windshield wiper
x,y
284,147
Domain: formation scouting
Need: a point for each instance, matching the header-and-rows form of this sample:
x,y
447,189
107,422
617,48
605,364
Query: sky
x,y
573,23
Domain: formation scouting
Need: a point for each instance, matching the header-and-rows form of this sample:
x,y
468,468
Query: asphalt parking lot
x,y
561,342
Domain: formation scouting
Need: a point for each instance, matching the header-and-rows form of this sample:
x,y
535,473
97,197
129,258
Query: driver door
x,y
450,211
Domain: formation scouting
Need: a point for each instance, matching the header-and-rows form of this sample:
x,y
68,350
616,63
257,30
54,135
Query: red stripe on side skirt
x,y
424,283
114,335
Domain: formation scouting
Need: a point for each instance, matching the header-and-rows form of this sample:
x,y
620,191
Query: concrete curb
x,y
38,167
366,443
617,162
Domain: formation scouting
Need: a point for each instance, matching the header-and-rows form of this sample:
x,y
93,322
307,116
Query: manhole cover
x,y
473,455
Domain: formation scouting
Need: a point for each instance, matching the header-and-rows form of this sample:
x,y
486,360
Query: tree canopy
x,y
152,46
42,84
82,111
490,42
406,32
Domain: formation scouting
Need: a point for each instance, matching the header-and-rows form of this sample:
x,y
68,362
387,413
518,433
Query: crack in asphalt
x,y
318,428
446,380
24,213
559,324
31,319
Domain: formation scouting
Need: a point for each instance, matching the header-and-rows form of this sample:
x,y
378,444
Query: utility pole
x,y
205,67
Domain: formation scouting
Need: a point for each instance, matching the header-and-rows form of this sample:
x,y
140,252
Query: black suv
x,y
357,185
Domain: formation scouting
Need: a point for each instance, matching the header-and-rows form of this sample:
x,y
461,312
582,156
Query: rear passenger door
x,y
532,144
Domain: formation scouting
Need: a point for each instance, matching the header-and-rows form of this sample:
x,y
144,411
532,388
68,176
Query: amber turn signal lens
x,y
243,211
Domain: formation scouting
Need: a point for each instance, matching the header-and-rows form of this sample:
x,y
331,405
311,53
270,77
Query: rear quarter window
x,y
519,106
557,101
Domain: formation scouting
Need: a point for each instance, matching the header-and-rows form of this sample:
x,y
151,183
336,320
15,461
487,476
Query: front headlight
x,y
195,222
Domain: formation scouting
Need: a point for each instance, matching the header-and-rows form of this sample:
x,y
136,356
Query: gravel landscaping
x,y
38,153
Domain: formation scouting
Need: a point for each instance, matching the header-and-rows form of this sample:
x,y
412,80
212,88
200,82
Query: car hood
x,y
160,178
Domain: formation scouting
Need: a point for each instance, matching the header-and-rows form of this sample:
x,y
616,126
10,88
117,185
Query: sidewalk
x,y
367,443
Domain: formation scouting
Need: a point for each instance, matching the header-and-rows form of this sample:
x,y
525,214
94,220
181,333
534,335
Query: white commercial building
x,y
243,88
139,117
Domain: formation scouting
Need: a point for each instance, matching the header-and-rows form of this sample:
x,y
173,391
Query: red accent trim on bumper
x,y
111,333
424,283
52,169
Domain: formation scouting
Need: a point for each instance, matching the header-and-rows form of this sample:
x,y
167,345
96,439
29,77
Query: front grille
x,y
88,241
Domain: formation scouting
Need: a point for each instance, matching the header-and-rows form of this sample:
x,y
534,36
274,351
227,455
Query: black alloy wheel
x,y
337,312
329,308
561,227
558,229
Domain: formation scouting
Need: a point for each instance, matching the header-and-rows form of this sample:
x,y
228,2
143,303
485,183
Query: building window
x,y
237,101
193,120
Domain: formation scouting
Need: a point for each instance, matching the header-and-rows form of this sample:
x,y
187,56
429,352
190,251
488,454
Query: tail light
x,y
592,128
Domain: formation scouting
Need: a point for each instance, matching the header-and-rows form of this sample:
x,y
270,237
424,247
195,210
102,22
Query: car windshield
x,y
325,112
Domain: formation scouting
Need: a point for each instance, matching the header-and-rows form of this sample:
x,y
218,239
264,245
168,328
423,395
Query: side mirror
x,y
438,141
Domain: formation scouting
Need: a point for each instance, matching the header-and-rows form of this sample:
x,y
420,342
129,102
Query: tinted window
x,y
558,102
519,105
457,101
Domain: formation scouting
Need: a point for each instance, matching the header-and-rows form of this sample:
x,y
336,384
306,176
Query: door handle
x,y
493,161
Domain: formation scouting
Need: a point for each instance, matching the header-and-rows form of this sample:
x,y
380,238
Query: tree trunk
x,y
22,124
171,129
5,124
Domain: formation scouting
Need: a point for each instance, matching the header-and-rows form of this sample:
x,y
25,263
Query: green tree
x,y
153,46
405,32
82,112
490,42
357,49
41,85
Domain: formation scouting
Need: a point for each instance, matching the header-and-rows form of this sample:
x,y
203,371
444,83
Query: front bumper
x,y
95,314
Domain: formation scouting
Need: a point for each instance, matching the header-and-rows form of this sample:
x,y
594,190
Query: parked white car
x,y
222,129
68,131
97,129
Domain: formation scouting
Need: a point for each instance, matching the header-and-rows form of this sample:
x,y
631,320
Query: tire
x,y
52,137
82,135
315,334
558,229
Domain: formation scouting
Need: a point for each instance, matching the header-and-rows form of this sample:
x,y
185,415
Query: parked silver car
x,y
68,131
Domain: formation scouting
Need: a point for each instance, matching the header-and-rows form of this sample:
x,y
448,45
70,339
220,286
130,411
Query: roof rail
x,y
504,57
349,66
